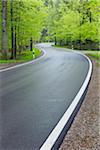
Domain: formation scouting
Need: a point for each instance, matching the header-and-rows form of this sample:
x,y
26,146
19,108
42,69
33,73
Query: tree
x,y
4,29
70,22
22,20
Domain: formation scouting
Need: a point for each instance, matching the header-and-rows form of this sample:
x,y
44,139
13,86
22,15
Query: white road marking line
x,y
50,141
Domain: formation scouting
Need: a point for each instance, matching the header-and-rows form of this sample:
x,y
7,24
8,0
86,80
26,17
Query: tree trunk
x,y
4,30
55,41
12,32
15,44
31,44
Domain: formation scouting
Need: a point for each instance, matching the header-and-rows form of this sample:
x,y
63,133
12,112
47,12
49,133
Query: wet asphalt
x,y
34,97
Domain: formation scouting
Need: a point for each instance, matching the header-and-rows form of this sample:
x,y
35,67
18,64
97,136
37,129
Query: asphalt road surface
x,y
34,97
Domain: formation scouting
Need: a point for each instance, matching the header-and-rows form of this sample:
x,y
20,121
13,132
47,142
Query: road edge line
x,y
54,135
26,63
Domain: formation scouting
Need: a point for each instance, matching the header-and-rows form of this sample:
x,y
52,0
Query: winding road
x,y
34,97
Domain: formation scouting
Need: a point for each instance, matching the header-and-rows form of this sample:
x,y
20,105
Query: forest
x,y
71,23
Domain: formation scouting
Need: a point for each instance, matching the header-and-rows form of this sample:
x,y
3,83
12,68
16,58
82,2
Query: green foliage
x,y
37,52
95,55
68,26
66,21
74,20
25,56
28,21
0,23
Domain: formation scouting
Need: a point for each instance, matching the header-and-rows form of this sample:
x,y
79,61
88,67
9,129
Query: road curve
x,y
34,97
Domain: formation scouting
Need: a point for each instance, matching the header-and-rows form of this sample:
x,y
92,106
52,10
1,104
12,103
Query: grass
x,y
92,53
23,57
28,56
95,55
59,46
37,52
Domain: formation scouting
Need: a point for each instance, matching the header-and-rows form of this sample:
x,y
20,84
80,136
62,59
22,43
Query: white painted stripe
x,y
26,63
50,141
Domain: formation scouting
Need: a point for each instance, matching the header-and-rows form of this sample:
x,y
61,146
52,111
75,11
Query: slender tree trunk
x,y
18,34
55,41
15,43
12,32
4,29
13,35
60,42
31,44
